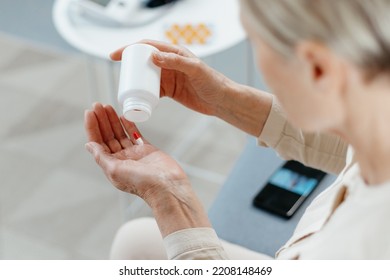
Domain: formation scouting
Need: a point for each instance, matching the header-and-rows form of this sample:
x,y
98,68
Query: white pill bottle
x,y
139,83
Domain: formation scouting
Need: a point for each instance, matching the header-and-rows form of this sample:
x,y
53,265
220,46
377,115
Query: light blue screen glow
x,y
292,181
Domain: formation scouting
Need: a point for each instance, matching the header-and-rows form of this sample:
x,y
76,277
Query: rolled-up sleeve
x,y
194,244
318,150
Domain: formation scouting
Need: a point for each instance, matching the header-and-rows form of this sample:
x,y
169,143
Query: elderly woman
x,y
328,66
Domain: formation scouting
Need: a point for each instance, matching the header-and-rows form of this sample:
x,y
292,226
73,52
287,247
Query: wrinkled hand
x,y
186,79
142,170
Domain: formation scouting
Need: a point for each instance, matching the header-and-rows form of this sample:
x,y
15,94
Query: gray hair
x,y
358,30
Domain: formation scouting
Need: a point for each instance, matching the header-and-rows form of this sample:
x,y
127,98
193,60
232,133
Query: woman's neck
x,y
367,129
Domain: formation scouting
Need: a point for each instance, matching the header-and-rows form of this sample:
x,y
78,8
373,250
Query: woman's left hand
x,y
143,170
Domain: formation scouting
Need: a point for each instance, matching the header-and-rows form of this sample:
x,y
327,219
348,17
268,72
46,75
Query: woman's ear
x,y
321,67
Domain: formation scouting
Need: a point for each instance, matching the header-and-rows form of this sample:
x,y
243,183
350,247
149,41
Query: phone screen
x,y
293,181
287,188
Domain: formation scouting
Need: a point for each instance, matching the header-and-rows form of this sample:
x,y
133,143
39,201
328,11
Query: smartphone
x,y
157,3
287,188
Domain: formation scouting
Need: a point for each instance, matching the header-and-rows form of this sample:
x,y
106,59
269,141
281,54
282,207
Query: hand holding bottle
x,y
186,78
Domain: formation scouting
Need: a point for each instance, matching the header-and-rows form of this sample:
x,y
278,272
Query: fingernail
x,y
89,148
159,56
114,56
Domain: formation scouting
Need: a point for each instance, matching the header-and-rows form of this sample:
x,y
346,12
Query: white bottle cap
x,y
136,109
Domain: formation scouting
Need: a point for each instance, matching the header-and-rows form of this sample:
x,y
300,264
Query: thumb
x,y
173,61
102,157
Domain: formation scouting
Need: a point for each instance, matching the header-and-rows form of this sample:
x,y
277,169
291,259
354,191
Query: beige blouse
x,y
349,220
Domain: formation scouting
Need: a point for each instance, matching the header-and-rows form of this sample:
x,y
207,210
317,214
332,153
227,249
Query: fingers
x,y
117,128
130,129
117,55
169,57
91,126
104,127
169,48
106,130
172,61
163,47
92,129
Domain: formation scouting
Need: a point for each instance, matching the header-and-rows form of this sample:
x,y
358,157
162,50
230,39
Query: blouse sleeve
x,y
321,151
194,244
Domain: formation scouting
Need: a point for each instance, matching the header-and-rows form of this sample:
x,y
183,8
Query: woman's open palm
x,y
138,169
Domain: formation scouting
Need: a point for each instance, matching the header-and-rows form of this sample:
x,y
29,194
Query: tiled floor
x,y
54,202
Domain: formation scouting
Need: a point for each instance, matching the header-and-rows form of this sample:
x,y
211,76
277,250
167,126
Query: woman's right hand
x,y
186,79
